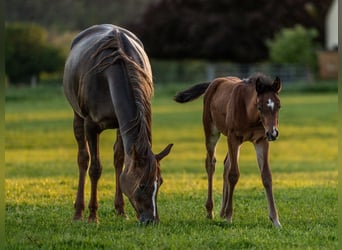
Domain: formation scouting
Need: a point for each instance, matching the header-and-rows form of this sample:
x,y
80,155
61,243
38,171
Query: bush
x,y
28,53
295,46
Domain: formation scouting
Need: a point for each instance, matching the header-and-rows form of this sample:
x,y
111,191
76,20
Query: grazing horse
x,y
242,110
108,83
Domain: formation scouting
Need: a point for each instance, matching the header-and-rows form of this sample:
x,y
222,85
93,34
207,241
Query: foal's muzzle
x,y
272,135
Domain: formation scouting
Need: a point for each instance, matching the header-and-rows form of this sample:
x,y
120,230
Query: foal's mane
x,y
264,82
111,49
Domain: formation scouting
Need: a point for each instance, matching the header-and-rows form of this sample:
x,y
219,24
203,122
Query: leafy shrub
x,y
28,52
294,45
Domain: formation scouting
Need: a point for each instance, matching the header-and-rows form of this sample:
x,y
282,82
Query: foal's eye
x,y
259,107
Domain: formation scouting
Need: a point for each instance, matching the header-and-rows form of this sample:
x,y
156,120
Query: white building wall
x,y
332,26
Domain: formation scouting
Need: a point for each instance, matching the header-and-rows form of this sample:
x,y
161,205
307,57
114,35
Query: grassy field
x,y
41,180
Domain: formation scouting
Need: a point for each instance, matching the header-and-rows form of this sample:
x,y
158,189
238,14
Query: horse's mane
x,y
142,86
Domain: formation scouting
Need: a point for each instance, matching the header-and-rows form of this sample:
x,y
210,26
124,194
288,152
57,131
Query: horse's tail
x,y
191,93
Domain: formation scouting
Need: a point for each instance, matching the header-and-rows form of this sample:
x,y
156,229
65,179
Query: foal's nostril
x,y
271,136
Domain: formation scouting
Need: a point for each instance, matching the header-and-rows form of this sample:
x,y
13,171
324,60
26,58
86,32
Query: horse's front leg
x,y
95,170
82,160
231,176
119,156
261,149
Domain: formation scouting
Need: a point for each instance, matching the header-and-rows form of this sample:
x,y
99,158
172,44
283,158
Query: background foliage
x,y
28,52
223,29
219,29
294,45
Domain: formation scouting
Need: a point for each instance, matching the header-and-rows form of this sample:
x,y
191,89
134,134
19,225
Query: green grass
x,y
41,180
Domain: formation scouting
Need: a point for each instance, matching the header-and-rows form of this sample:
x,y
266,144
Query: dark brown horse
x,y
242,110
108,83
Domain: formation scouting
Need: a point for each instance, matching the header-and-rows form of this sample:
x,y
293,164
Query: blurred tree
x,y
222,29
74,14
28,53
294,45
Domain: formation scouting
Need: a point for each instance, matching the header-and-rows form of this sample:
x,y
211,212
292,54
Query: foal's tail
x,y
191,93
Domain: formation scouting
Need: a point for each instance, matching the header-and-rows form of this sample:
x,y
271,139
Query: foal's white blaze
x,y
270,103
155,186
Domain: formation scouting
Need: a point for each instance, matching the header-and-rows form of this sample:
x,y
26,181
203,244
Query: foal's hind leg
x,y
119,156
83,160
211,137
261,150
225,186
95,170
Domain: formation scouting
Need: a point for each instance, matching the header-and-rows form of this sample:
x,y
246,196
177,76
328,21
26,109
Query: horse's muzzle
x,y
147,220
272,135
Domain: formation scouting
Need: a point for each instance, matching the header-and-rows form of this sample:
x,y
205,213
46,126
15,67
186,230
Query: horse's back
x,y
93,51
88,42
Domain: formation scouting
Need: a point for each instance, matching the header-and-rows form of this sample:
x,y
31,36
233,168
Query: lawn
x,y
41,180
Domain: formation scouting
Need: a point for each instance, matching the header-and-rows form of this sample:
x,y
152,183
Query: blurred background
x,y
186,40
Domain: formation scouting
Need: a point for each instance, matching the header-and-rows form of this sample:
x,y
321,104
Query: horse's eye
x,y
142,186
259,107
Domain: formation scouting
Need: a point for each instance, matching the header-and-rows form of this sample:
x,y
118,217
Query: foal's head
x,y
140,182
268,104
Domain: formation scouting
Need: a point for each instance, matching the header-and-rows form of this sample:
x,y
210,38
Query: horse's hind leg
x,y
119,156
95,170
211,137
83,160
261,150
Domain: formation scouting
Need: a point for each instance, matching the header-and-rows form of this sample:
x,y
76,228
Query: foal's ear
x,y
276,85
164,153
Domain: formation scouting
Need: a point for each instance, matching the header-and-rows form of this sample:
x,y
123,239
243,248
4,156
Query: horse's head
x,y
268,104
140,182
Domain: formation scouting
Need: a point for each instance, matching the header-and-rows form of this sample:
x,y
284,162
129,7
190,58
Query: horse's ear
x,y
276,85
259,87
164,153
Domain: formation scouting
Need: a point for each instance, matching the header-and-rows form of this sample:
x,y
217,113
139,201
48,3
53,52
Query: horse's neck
x,y
136,135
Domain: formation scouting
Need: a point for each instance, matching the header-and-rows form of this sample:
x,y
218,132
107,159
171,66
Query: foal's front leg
x,y
230,177
261,150
119,156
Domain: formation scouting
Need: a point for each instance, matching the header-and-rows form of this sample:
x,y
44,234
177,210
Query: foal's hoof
x,y
229,220
210,216
276,223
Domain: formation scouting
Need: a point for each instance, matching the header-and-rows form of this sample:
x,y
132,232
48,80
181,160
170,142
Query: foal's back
x,y
226,102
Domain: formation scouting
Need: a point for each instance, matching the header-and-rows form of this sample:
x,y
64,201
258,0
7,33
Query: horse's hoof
x,y
77,217
123,216
93,220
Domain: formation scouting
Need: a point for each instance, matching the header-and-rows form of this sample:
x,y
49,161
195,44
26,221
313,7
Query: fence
x,y
189,71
